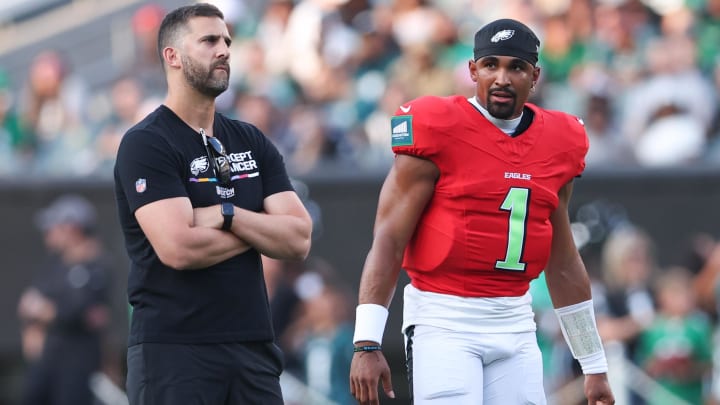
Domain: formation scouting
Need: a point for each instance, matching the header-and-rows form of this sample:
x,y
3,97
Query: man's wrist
x,y
367,348
370,323
366,343
578,326
227,209
594,364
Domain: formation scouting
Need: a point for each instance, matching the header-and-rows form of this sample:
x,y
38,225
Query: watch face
x,y
228,211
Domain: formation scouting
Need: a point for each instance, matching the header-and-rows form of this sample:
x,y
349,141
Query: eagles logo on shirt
x,y
199,165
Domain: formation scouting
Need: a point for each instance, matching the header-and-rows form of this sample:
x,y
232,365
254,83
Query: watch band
x,y
228,211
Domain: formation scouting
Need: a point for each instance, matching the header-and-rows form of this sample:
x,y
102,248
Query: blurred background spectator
x,y
317,338
14,142
145,66
64,313
676,347
125,109
624,300
53,110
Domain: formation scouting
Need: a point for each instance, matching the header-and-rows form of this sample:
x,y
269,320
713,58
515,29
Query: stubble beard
x,y
501,111
202,79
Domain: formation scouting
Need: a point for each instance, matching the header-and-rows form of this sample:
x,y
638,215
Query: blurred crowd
x,y
321,78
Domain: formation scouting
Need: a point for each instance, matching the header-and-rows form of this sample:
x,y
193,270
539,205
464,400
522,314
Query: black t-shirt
x,y
162,157
74,289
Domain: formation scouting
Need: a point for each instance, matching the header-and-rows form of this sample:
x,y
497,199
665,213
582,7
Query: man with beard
x,y
196,217
475,206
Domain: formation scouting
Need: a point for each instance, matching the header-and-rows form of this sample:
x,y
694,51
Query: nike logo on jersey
x,y
405,109
520,176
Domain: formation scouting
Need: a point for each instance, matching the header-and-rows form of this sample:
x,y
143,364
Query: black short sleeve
x,y
147,169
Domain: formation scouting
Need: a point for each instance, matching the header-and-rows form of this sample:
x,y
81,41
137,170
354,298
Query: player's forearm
x,y
285,237
569,288
567,281
202,247
377,286
380,273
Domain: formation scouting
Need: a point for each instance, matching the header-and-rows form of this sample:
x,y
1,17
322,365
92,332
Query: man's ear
x,y
472,67
171,57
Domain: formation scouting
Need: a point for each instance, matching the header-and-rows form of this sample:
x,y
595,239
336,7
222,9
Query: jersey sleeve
x,y
580,143
411,128
570,139
147,169
275,178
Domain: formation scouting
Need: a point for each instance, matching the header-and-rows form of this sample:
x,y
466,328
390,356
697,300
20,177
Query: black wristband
x,y
366,348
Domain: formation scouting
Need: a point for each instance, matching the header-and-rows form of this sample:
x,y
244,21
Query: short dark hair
x,y
177,19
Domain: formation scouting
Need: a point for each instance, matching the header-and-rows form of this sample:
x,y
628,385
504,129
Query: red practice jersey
x,y
486,232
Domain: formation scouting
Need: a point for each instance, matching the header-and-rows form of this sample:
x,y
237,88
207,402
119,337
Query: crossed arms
x,y
186,239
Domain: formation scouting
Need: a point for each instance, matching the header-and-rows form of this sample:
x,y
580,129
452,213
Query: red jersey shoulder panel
x,y
570,136
417,126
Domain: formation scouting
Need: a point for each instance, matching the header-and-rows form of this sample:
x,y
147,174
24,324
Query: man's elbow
x,y
303,249
299,248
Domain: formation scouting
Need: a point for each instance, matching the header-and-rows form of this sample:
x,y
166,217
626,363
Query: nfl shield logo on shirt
x,y
140,185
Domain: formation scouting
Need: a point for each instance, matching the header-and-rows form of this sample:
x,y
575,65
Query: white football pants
x,y
460,368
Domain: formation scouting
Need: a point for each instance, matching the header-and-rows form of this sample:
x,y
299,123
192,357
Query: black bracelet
x,y
366,348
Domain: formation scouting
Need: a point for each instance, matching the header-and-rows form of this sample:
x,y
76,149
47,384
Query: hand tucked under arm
x,y
282,231
181,244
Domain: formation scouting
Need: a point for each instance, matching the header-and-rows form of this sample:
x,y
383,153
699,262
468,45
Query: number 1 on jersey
x,y
516,202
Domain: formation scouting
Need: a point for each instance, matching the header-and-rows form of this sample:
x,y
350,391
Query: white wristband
x,y
370,322
594,364
579,329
